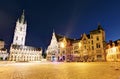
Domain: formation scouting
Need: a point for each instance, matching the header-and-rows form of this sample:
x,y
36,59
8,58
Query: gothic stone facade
x,y
18,50
25,53
89,47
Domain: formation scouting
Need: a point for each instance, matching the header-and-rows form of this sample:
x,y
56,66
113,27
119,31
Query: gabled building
x,y
113,51
59,48
97,43
89,47
18,50
53,49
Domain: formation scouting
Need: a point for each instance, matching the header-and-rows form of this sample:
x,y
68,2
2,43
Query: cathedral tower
x,y
20,31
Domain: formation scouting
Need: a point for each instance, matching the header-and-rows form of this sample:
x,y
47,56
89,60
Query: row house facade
x,y
25,53
89,47
113,51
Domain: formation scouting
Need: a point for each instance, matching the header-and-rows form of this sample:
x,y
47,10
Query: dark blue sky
x,y
67,17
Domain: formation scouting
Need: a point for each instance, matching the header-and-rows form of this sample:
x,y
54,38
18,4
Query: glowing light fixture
x,y
62,45
80,44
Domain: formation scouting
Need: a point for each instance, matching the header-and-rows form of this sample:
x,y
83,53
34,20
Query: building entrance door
x,y
53,58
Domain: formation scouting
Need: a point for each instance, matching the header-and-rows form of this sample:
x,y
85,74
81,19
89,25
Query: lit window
x,y
62,45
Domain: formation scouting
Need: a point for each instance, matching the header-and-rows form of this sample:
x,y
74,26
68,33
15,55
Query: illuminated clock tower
x,y
20,31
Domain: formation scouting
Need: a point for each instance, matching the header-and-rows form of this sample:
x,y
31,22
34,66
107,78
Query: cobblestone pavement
x,y
55,70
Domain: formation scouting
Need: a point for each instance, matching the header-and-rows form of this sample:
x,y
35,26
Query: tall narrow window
x,y
17,38
99,45
92,41
92,47
96,45
22,39
97,38
20,28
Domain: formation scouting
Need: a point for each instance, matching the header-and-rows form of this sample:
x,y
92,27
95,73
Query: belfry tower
x,y
20,31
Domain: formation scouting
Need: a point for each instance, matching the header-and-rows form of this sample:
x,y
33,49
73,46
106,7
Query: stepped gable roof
x,y
116,42
76,40
25,47
88,36
61,37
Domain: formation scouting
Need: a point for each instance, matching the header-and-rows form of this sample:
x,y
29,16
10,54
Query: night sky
x,y
67,17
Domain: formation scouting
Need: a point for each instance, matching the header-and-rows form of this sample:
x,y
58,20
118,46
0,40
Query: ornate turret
x,y
100,27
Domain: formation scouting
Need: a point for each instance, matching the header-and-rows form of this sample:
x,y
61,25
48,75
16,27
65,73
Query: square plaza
x,y
59,70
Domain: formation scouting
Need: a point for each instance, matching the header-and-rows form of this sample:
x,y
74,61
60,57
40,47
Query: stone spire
x,y
20,31
22,18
